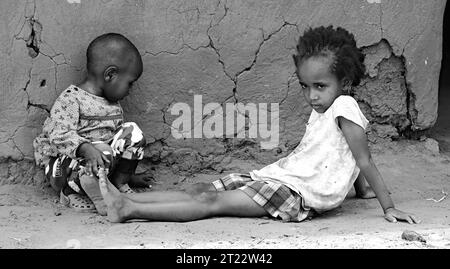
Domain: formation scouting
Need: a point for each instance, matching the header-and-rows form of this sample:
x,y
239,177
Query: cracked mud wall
x,y
226,51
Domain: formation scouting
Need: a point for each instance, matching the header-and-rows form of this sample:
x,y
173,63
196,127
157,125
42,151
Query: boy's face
x,y
118,87
320,86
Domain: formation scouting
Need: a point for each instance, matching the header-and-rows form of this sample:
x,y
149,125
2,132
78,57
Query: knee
x,y
209,198
103,147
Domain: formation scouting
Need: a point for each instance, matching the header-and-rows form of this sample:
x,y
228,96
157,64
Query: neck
x,y
90,86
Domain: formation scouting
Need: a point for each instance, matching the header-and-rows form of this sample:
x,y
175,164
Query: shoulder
x,y
68,100
346,106
71,92
345,100
345,103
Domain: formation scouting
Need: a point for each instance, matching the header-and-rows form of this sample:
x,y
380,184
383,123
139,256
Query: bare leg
x,y
90,186
362,188
199,206
171,196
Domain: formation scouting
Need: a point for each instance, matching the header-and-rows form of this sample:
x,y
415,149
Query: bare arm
x,y
357,141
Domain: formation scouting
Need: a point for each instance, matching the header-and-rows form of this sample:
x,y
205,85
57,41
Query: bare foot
x,y
90,186
365,193
125,188
114,200
120,181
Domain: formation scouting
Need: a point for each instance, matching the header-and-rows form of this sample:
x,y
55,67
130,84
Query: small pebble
x,y
412,236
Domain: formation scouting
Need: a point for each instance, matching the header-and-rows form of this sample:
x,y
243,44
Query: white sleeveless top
x,y
321,168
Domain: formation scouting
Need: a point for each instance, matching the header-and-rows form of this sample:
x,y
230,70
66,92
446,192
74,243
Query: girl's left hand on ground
x,y
393,214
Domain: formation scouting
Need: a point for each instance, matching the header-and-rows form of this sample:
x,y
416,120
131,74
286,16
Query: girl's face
x,y
320,86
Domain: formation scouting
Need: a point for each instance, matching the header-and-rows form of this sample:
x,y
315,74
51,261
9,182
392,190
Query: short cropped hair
x,y
109,46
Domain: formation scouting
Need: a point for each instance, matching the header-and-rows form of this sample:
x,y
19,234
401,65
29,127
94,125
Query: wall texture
x,y
226,51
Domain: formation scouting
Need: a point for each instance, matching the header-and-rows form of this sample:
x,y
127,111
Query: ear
x,y
110,73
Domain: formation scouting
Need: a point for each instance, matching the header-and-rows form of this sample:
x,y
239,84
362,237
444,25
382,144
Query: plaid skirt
x,y
277,199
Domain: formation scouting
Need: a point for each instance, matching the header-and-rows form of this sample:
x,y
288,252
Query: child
x,y
85,129
315,177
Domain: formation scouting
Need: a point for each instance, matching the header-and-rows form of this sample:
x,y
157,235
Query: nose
x,y
313,95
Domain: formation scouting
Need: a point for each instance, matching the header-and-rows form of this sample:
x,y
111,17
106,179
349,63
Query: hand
x,y
94,158
392,214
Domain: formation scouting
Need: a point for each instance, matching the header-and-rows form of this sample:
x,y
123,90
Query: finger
x,y
94,167
390,218
100,163
409,220
106,159
88,169
415,219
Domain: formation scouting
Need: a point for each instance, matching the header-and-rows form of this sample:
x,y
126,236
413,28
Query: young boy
x,y
85,130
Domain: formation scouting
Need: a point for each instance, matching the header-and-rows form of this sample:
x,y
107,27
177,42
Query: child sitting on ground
x,y
86,129
315,177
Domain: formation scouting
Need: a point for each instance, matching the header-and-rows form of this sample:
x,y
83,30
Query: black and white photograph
x,y
247,127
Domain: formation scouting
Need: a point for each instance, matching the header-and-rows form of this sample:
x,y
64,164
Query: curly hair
x,y
347,59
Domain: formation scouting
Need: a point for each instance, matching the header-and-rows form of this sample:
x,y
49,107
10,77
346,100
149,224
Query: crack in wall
x,y
29,103
235,78
381,20
225,11
265,39
180,50
292,78
410,39
209,45
34,40
11,139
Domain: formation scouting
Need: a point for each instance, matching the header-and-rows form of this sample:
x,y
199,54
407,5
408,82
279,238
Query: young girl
x,y
315,177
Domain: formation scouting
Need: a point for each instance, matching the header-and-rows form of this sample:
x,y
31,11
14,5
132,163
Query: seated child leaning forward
x,y
86,130
315,177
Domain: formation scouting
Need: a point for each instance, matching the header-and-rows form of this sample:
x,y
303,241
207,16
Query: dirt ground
x,y
31,217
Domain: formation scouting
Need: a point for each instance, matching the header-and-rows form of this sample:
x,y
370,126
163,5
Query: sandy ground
x,y
30,217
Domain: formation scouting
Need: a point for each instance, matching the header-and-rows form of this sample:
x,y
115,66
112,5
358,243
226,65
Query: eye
x,y
303,85
320,86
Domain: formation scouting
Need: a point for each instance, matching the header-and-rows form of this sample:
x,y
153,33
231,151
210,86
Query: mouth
x,y
316,106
